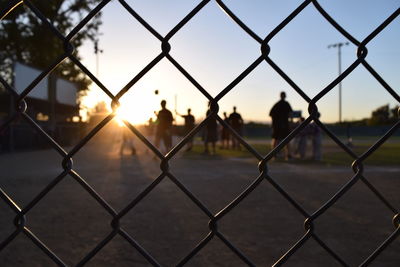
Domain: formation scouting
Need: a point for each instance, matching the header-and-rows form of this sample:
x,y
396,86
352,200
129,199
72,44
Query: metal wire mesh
x,y
116,229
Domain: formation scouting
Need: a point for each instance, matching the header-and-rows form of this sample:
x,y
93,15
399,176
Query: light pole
x,y
97,51
339,47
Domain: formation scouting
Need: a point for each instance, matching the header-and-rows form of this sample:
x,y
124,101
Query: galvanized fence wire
x,y
166,172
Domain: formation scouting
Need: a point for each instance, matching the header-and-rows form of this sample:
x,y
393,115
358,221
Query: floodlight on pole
x,y
339,47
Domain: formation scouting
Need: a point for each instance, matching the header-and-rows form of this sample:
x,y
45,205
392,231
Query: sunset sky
x,y
214,50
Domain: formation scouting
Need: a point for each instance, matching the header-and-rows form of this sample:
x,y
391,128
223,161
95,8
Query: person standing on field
x,y
316,137
189,125
280,114
225,134
210,134
236,122
127,141
164,127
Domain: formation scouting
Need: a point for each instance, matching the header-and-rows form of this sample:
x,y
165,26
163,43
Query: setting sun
x,y
132,114
136,110
137,105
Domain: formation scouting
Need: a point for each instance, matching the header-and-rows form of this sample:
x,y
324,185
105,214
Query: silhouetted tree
x,y
395,112
101,107
383,115
25,38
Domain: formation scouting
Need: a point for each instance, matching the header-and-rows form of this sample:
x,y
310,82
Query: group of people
x,y
210,135
163,131
280,114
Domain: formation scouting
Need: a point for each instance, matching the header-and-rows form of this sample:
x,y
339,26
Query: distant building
x,y
52,104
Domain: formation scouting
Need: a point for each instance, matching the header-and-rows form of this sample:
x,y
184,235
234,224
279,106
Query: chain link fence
x,y
264,175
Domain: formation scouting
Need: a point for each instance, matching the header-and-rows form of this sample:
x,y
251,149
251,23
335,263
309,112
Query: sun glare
x,y
127,113
119,118
135,110
137,106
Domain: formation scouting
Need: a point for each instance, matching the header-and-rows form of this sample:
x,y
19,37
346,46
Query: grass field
x,y
387,154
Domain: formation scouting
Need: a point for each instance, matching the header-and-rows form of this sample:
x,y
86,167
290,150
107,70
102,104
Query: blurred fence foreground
x,y
116,229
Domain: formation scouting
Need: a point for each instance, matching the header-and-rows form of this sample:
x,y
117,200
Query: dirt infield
x,y
169,225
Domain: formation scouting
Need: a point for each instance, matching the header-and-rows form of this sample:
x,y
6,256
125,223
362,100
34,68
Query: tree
x,y
383,115
395,112
25,38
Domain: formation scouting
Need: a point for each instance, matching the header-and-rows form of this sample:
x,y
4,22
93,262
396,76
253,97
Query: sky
x,y
215,50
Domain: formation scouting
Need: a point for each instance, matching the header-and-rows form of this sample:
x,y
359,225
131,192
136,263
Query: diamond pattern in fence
x,y
167,173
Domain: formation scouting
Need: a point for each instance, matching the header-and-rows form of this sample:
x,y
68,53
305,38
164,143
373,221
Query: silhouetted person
x,y
225,135
316,137
211,135
189,125
348,133
150,127
127,141
301,140
164,126
236,122
280,114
